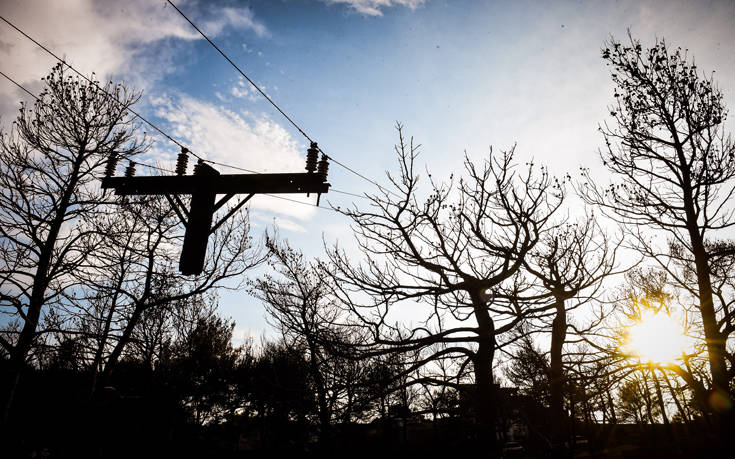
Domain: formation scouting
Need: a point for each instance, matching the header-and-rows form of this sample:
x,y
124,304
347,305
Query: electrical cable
x,y
138,115
244,75
159,130
19,85
240,71
96,85
350,194
214,162
36,97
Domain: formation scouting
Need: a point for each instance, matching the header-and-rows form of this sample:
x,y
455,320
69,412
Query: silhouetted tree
x,y
48,164
450,253
203,367
569,262
133,272
282,390
528,370
301,308
677,168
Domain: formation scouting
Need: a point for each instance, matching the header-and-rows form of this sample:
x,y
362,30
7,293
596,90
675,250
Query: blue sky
x,y
461,76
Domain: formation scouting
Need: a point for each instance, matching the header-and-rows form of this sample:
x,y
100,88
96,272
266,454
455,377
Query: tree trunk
x,y
483,365
679,407
558,336
124,339
715,343
646,392
97,361
40,284
321,391
660,397
613,416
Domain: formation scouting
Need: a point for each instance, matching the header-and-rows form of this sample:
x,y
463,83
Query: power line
x,y
19,85
94,83
173,172
301,202
150,166
234,167
240,71
256,172
141,117
350,194
244,75
159,130
36,97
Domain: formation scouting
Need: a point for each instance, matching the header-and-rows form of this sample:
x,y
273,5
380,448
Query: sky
x,y
461,76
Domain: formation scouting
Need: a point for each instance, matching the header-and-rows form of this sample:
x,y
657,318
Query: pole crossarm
x,y
221,184
203,187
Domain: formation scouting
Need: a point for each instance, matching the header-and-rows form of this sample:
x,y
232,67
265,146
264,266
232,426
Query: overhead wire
x,y
150,166
160,131
256,172
18,85
96,85
23,88
290,120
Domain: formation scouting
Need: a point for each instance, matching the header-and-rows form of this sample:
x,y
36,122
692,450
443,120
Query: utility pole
x,y
204,185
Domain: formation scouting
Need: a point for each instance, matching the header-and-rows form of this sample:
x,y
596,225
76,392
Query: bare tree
x,y
47,172
134,272
451,254
676,167
569,263
301,308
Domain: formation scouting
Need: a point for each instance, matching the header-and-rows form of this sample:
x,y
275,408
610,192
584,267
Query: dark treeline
x,y
499,311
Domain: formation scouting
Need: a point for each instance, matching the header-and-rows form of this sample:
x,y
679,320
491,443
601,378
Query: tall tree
x,y
301,308
48,164
676,166
450,252
569,263
136,249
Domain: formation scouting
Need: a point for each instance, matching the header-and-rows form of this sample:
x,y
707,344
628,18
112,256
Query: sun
x,y
655,338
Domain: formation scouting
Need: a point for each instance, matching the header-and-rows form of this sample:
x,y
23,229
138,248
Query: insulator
x,y
182,161
111,165
198,167
323,168
311,157
130,170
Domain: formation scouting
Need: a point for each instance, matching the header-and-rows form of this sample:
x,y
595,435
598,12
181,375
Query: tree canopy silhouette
x,y
675,171
457,253
48,163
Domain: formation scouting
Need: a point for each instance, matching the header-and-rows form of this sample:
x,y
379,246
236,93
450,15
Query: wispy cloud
x,y
242,18
245,90
240,139
376,7
284,224
109,38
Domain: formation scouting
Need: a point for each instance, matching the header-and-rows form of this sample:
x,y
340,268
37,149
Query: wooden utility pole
x,y
204,186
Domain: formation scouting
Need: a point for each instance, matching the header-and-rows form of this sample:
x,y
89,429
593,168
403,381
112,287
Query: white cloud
x,y
280,223
237,17
109,38
242,89
375,7
240,139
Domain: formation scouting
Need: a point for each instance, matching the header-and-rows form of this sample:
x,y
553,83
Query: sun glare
x,y
655,338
